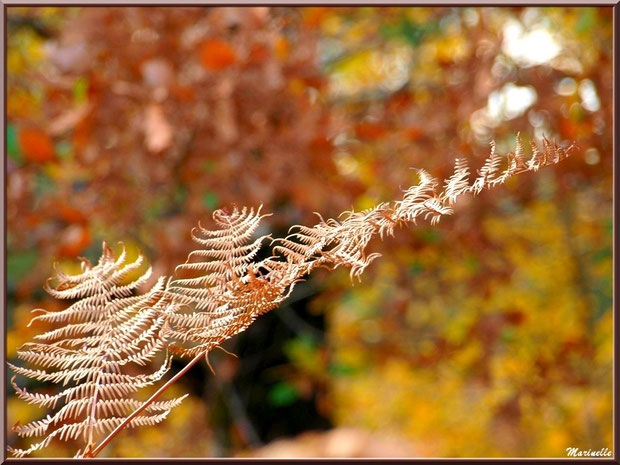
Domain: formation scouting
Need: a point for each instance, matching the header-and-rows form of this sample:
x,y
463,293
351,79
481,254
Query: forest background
x,y
487,335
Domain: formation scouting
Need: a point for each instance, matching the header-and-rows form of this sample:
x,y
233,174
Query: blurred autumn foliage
x,y
489,335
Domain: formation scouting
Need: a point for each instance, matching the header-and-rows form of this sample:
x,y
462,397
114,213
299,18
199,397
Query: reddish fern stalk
x,y
220,292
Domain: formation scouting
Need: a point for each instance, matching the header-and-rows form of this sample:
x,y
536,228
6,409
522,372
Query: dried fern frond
x,y
216,294
229,292
334,243
221,293
457,184
102,333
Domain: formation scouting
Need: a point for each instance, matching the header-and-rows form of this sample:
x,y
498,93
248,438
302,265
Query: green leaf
x,y
43,185
19,264
64,150
283,394
586,21
180,194
153,210
208,166
303,351
210,200
93,252
429,235
472,263
80,90
600,255
12,146
408,31
341,369
415,269
508,335
609,227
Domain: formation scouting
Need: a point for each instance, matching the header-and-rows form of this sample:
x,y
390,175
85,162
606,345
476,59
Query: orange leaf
x,y
400,101
314,16
33,220
258,54
282,48
370,131
217,55
81,134
70,214
183,93
413,133
317,81
36,145
569,129
321,144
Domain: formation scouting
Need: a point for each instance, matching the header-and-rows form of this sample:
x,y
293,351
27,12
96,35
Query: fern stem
x,y
93,410
146,403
